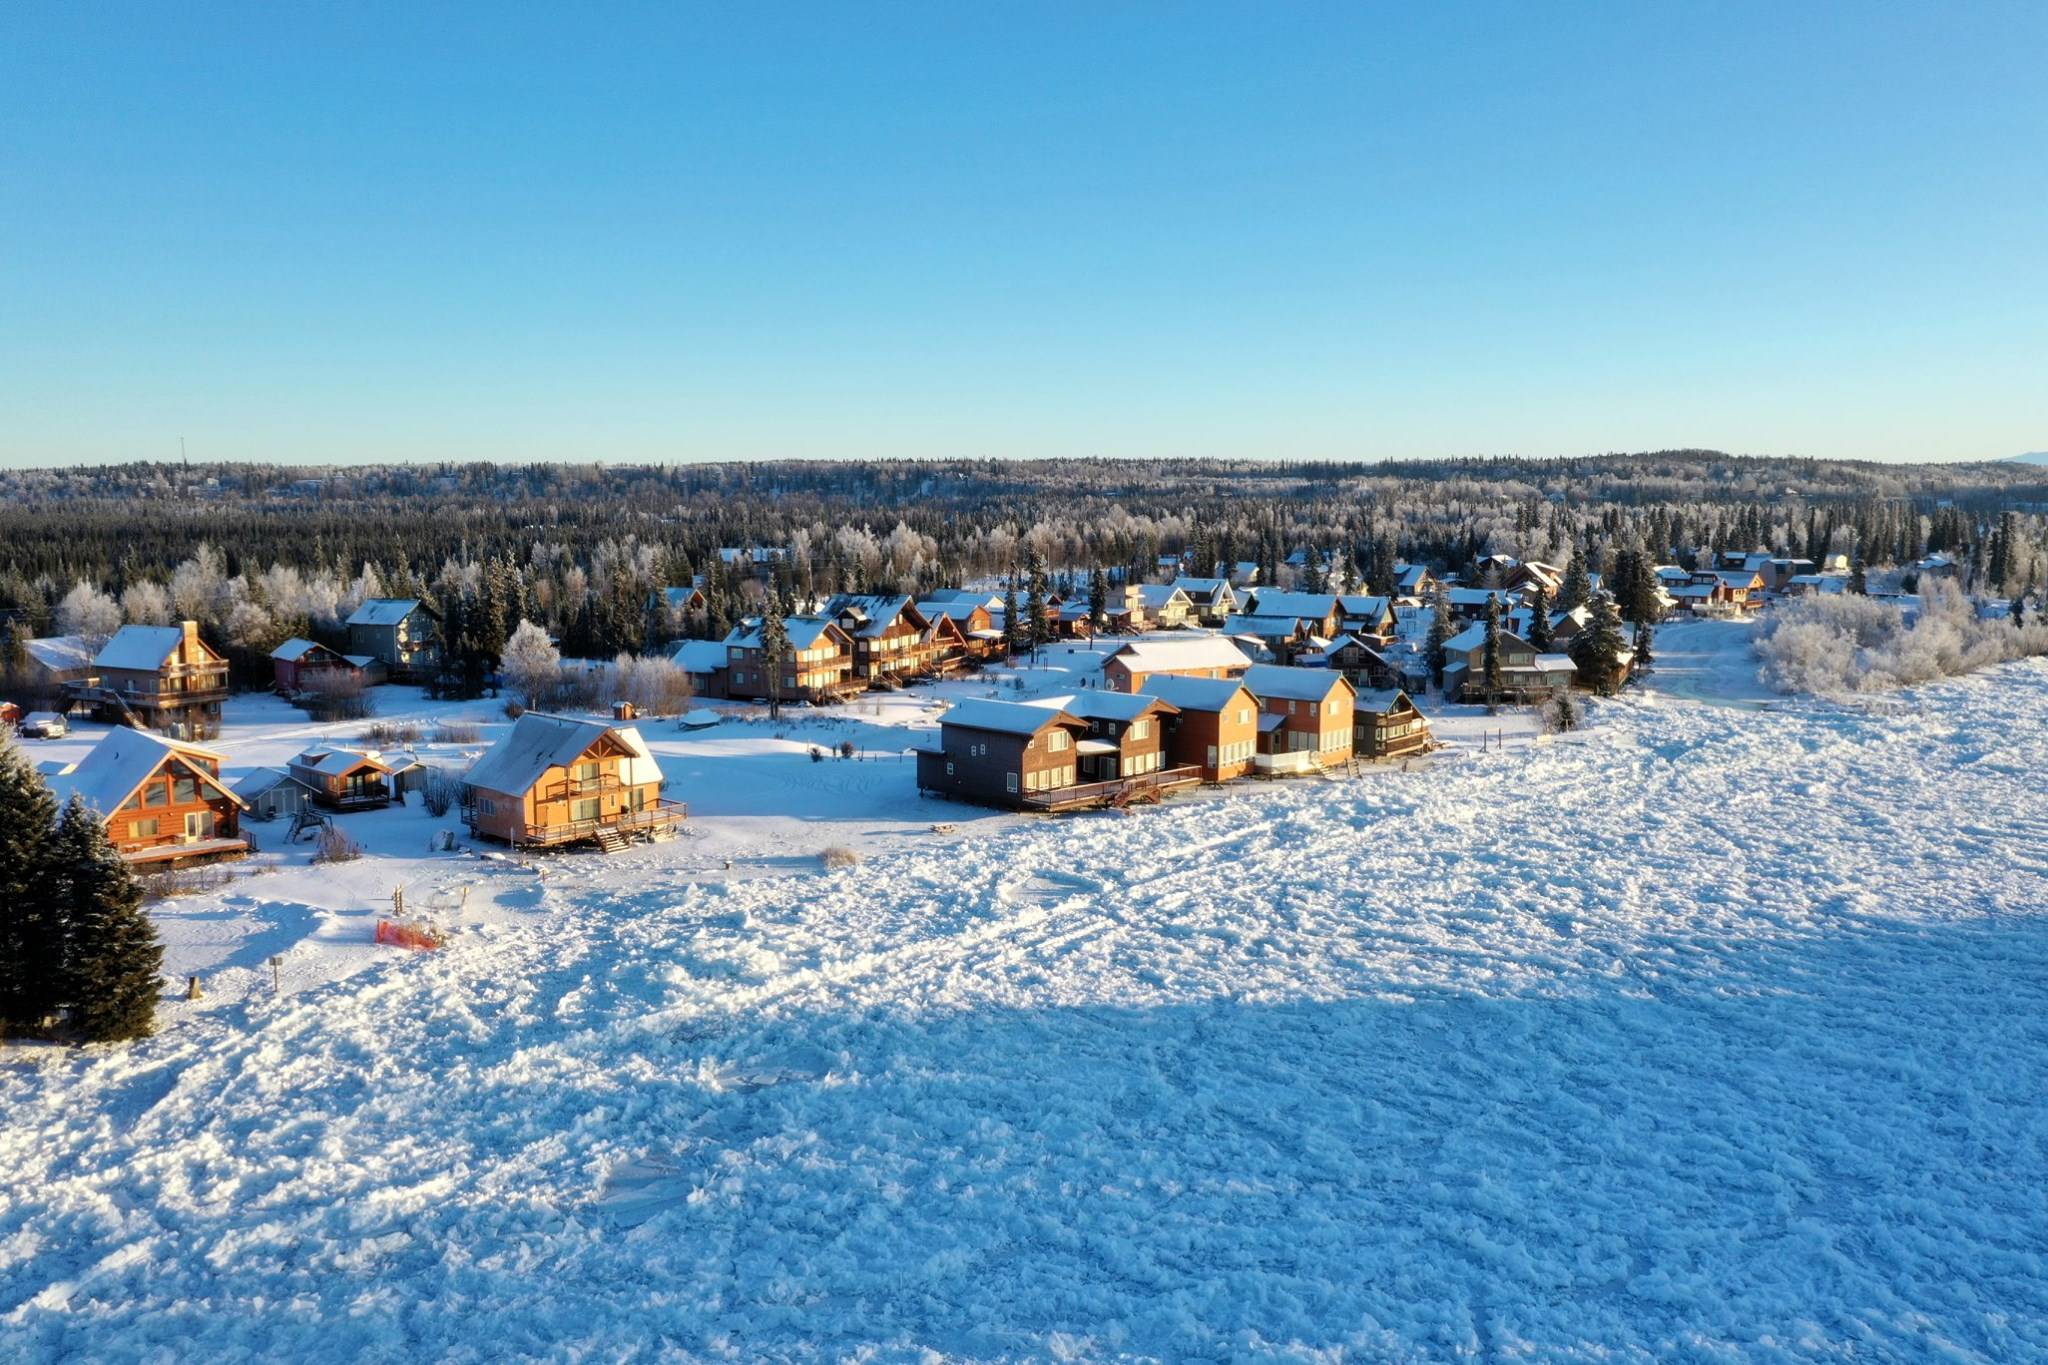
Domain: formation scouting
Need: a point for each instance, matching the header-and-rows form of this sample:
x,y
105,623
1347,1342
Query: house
x,y
402,633
1386,725
817,668
1470,604
1211,600
159,678
1321,614
1125,738
56,660
1413,580
1305,718
1365,663
975,622
1779,572
1529,575
1244,573
271,792
1363,615
1215,725
1933,566
1279,637
556,780
1162,606
889,634
162,799
1004,753
680,610
704,663
1736,590
304,665
1207,656
945,647
343,779
760,560
1816,585
1838,563
1524,673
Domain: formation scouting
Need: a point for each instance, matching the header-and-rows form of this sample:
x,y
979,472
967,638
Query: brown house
x,y
1305,720
343,779
1203,656
817,668
1004,753
163,800
1386,725
1215,726
1126,736
1362,663
889,634
555,780
301,665
159,678
975,622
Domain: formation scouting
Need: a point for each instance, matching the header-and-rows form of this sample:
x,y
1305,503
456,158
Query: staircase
x,y
612,840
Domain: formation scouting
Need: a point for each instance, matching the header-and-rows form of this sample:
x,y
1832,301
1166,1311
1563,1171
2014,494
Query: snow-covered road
x,y
1705,1034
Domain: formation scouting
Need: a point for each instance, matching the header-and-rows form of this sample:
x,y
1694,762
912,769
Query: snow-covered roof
x,y
118,764
1103,704
1003,717
1265,627
142,648
540,741
1410,576
875,612
337,762
1201,587
1274,602
1377,701
294,649
1737,578
803,631
1556,663
1200,651
699,656
1364,605
1296,684
1476,597
262,780
1157,595
1474,636
383,611
956,609
1193,694
1094,747
675,599
58,652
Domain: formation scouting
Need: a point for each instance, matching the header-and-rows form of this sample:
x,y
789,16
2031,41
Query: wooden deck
x,y
1117,792
659,816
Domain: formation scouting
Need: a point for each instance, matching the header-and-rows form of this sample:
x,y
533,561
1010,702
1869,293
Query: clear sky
x,y
538,231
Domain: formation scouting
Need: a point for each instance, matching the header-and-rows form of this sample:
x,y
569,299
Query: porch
x,y
1120,792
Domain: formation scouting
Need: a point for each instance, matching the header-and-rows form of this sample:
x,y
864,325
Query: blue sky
x,y
521,231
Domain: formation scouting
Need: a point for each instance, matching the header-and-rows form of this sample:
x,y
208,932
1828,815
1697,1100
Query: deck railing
x,y
1089,793
660,815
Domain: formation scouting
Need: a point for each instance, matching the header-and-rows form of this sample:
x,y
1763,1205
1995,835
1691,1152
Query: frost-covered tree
x,y
1489,659
1016,638
113,961
1441,629
145,603
1098,601
1646,638
89,613
530,665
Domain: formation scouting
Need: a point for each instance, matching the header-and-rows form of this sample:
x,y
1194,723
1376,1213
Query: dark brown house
x,y
1386,725
1004,753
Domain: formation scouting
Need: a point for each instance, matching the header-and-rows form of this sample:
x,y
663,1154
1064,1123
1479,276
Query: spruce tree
x,y
1858,583
1490,658
1577,585
1016,639
1098,601
31,927
774,654
1441,630
1597,650
1035,587
1539,621
112,973
1645,637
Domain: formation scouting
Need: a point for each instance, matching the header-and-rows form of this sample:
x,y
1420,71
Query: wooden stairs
x,y
612,840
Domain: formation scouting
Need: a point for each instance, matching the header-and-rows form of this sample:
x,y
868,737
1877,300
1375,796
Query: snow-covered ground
x,y
1706,1032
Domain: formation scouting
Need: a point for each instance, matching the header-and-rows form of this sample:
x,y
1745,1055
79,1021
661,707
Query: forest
x,y
261,553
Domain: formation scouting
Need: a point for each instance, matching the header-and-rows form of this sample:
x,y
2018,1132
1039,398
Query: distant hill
x,y
2031,457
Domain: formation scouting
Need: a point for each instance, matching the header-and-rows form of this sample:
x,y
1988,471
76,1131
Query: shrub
x,y
333,846
846,749
513,710
457,732
1838,646
391,734
1561,712
838,857
338,697
439,792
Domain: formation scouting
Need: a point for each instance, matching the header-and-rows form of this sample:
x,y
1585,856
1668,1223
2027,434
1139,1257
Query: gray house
x,y
404,633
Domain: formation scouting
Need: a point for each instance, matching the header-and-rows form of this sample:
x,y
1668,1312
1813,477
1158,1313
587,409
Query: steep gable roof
x,y
140,648
1005,717
540,741
1193,694
60,652
1106,705
385,611
123,761
803,631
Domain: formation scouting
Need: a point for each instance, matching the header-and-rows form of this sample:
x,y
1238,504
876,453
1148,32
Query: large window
x,y
143,829
156,793
184,789
1059,741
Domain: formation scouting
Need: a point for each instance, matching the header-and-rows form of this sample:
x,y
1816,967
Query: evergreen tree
x,y
112,971
774,654
1098,601
1441,629
1598,648
1490,659
1645,637
1539,621
1035,588
31,928
1577,585
1016,636
1858,583
1315,578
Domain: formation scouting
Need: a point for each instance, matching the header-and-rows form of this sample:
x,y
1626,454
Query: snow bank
x,y
1836,646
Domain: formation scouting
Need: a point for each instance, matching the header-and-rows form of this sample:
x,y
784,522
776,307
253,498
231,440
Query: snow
x,y
1296,684
540,741
1004,717
61,653
118,764
143,648
384,611
1689,1035
1158,655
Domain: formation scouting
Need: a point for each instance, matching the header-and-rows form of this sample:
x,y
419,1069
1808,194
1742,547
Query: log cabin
x,y
1305,718
1386,725
556,780
1215,726
163,800
1207,656
818,667
159,678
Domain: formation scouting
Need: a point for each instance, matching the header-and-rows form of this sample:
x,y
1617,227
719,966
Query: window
x,y
1141,729
184,789
1059,741
949,767
487,806
584,771
143,829
586,809
1010,781
155,794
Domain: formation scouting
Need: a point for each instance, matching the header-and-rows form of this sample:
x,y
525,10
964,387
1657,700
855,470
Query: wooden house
x,y
269,793
1525,675
1413,581
1305,718
343,779
55,660
1126,735
1162,606
1735,590
159,678
1530,574
1283,638
1212,600
890,635
680,610
402,633
1028,757
1215,725
975,622
1470,604
1321,613
1363,663
817,668
305,665
163,800
1207,656
704,663
1386,725
556,780
1366,615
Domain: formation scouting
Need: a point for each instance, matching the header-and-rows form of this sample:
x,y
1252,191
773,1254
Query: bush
x,y
458,732
846,749
389,734
839,857
440,792
1561,713
338,697
335,847
1839,646
513,710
